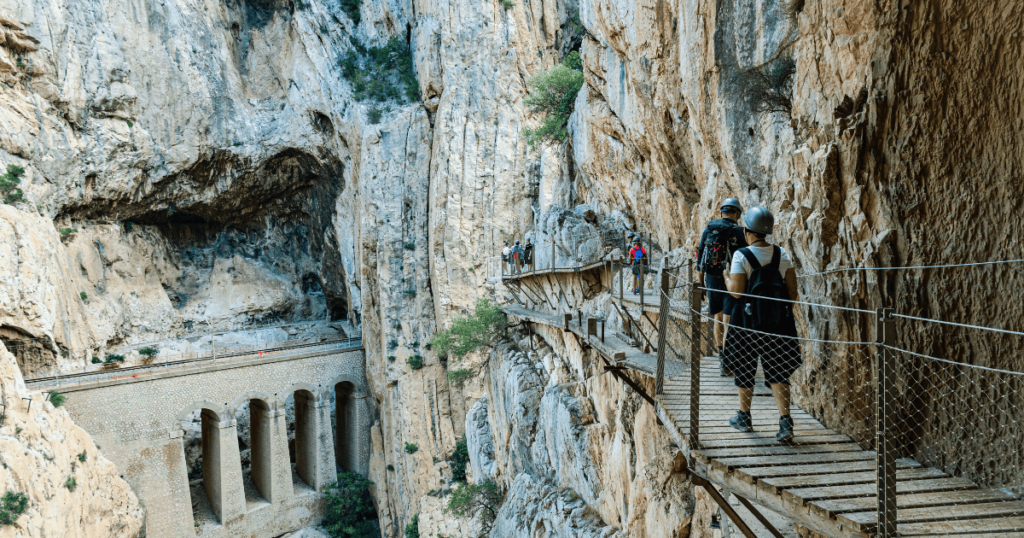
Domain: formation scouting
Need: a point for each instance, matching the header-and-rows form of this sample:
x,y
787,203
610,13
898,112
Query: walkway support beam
x,y
885,410
693,436
663,315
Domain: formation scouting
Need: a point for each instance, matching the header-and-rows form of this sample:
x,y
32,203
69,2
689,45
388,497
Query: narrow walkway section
x,y
823,479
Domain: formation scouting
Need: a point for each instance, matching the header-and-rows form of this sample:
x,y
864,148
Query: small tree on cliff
x,y
472,332
468,500
553,94
350,511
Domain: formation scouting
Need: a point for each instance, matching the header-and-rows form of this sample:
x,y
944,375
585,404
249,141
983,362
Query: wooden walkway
x,y
823,479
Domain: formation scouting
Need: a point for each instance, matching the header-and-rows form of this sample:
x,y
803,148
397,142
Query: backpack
x,y
515,252
638,254
718,247
775,317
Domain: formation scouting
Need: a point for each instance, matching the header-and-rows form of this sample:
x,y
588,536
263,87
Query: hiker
x,y
517,258
528,254
506,259
720,240
638,259
759,273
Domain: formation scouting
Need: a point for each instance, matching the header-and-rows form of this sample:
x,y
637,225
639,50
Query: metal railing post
x,y
663,314
621,283
885,408
695,359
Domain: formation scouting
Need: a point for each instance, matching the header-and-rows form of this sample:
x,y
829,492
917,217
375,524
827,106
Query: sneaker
x,y
785,434
725,371
742,422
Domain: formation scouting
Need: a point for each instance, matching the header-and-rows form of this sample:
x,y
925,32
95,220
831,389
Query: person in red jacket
x,y
638,259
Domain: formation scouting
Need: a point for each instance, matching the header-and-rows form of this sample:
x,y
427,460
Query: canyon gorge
x,y
198,176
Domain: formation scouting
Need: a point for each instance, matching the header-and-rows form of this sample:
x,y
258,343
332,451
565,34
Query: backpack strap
x,y
776,257
751,259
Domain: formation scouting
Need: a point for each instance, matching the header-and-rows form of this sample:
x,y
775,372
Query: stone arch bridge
x,y
137,422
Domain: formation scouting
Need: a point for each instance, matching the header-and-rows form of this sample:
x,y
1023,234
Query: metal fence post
x,y
663,314
885,409
695,359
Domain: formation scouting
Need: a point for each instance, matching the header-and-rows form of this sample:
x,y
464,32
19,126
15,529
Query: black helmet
x,y
732,204
759,219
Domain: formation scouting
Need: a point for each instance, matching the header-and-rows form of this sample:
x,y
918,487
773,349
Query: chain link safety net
x,y
886,441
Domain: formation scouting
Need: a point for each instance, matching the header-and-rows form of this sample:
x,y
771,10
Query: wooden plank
x,y
978,526
867,521
803,495
775,450
829,508
727,464
757,473
765,439
777,484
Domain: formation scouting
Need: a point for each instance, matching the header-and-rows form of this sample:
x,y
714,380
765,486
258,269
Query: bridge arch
x,y
270,400
347,393
220,410
259,465
304,400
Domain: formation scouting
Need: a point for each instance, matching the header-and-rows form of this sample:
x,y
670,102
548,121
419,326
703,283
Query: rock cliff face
x,y
70,488
218,173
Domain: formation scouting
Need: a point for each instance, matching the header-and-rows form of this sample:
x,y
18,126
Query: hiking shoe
x,y
785,434
725,371
743,422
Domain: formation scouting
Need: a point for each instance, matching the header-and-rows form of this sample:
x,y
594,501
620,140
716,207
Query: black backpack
x,y
766,315
718,245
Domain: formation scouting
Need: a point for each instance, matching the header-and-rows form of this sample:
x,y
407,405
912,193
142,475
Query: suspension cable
x,y
737,328
848,269
861,310
996,370
915,318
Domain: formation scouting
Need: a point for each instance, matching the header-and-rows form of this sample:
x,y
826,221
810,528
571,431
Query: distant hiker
x,y
720,240
506,259
517,258
638,259
528,254
762,272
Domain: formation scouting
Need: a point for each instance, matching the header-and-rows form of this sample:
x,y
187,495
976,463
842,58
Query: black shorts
x,y
779,356
718,301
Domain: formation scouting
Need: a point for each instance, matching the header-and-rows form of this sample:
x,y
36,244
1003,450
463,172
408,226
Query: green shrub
x,y
114,358
392,345
56,398
12,505
128,226
410,246
84,296
351,8
768,88
374,115
412,530
468,500
130,124
459,377
349,510
96,360
9,185
415,362
391,358
71,483
411,448
81,457
391,467
67,231
381,73
459,460
471,332
508,4
553,94
410,293
149,352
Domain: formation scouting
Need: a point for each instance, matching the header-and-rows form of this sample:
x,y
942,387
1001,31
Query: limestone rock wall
x,y
72,489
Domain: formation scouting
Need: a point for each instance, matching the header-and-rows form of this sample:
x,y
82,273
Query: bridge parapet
x,y
138,424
